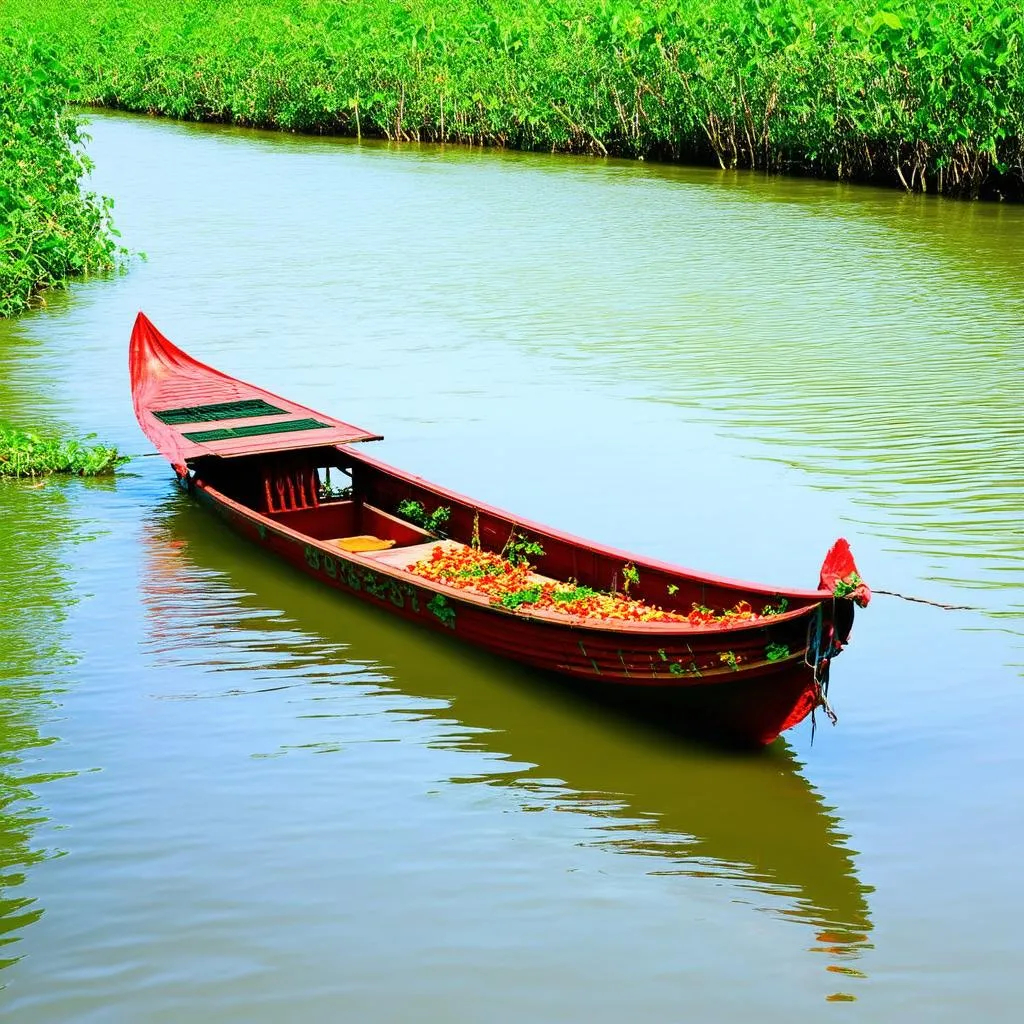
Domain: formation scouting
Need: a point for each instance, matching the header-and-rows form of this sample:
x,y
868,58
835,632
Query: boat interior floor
x,y
406,557
358,527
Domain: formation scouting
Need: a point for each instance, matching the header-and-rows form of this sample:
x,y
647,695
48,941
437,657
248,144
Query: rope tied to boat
x,y
822,647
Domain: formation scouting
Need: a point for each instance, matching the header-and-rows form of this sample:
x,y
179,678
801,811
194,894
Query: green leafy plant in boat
x,y
519,549
573,593
630,577
528,595
844,588
417,514
730,658
334,492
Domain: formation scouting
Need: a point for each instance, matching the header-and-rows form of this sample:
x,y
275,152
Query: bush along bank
x,y
49,230
24,454
921,94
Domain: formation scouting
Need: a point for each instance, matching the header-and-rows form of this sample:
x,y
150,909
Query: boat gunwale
x,y
693,575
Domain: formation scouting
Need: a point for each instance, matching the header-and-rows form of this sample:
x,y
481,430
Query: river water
x,y
226,795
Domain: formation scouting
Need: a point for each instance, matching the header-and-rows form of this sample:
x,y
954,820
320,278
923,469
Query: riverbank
x,y
926,96
50,230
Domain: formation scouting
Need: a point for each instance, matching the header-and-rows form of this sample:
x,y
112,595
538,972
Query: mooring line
x,y
925,600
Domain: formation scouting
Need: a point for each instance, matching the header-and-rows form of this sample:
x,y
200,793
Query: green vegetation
x,y
330,492
844,588
25,454
438,606
517,598
429,521
519,548
577,593
49,230
922,94
730,658
630,577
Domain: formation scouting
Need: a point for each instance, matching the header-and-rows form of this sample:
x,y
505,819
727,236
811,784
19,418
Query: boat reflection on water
x,y
751,820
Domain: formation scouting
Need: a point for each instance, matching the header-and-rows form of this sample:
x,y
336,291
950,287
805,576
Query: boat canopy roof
x,y
188,409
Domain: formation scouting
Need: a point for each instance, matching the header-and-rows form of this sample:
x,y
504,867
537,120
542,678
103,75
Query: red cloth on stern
x,y
840,577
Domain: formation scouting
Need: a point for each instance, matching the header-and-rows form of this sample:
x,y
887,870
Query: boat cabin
x,y
320,492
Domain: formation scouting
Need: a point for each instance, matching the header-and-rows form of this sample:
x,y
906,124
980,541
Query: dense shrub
x,y
49,230
927,94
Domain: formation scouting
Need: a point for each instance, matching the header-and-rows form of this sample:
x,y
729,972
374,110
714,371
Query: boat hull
x,y
722,657
717,685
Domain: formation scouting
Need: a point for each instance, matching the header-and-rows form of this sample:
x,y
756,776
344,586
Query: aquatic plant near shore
x,y
49,230
921,94
24,454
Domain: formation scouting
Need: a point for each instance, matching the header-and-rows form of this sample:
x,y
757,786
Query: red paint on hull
x,y
727,682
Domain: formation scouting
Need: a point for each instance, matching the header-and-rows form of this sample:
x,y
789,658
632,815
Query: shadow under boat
x,y
752,819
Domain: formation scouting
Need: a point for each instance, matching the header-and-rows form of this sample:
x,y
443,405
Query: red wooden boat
x,y
729,660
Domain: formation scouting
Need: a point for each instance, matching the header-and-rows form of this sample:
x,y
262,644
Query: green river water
x,y
226,795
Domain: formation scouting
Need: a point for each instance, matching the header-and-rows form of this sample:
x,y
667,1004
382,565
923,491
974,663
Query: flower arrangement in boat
x,y
701,615
513,585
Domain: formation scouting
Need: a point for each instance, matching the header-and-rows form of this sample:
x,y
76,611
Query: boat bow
x,y
188,409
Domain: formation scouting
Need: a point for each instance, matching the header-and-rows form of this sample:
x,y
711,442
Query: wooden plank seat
x,y
403,557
